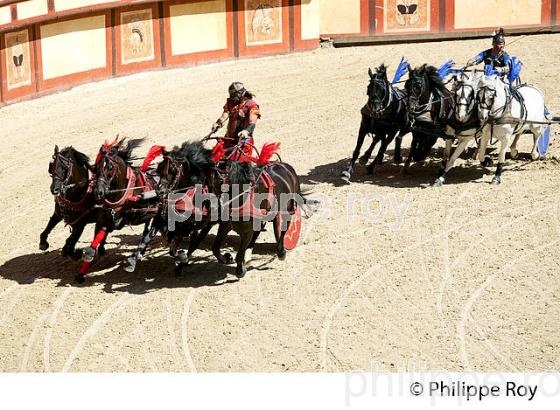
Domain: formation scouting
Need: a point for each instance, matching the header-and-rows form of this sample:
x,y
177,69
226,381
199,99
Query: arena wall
x,y
52,44
339,18
47,45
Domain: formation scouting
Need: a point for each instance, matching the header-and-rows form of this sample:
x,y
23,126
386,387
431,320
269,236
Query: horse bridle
x,y
105,175
59,161
177,168
416,109
465,101
387,95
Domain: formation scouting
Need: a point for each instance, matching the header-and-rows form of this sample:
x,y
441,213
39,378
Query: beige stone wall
x,y
74,4
5,15
495,13
339,16
310,19
32,8
198,27
73,46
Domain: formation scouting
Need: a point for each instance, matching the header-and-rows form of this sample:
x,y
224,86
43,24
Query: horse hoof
x,y
240,271
496,181
89,254
281,254
345,176
66,251
398,160
80,279
438,182
43,246
363,160
487,162
182,257
514,154
131,265
228,259
535,156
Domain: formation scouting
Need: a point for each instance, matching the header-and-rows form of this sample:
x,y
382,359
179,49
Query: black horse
x,y
124,194
430,104
280,199
72,186
181,170
384,116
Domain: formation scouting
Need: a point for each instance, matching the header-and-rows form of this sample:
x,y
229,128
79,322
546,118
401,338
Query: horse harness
x,y
493,119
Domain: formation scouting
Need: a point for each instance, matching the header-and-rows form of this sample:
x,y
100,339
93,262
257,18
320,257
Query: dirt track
x,y
470,280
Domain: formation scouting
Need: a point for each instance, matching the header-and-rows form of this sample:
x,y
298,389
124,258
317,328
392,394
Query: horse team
x,y
113,193
472,105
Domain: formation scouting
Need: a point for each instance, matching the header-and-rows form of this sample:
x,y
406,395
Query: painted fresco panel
x,y
137,36
18,65
406,15
263,22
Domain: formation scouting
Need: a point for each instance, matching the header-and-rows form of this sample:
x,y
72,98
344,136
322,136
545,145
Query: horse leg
x,y
197,238
53,221
514,152
246,236
249,251
404,171
485,160
364,159
463,142
398,143
89,252
147,237
501,160
223,230
346,175
379,158
69,246
446,153
537,132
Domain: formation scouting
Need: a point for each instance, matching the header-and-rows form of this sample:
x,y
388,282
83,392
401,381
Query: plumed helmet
x,y
499,37
237,89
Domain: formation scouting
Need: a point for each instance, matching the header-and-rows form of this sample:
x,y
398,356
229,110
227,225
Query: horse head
x,y
68,169
464,88
111,166
417,88
185,166
490,97
379,90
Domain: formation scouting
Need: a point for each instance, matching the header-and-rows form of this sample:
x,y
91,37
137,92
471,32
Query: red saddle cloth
x,y
248,207
186,204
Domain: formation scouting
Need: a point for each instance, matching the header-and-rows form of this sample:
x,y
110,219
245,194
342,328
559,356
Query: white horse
x,y
506,118
464,122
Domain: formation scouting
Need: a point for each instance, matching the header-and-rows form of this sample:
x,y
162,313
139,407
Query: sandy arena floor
x,y
469,279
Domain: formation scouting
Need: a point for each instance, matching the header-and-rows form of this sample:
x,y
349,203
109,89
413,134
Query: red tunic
x,y
239,116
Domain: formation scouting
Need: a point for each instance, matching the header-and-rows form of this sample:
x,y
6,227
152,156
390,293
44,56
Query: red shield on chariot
x,y
294,229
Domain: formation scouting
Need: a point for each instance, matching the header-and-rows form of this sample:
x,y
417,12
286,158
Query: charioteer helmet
x,y
237,91
499,37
